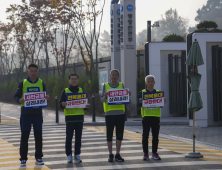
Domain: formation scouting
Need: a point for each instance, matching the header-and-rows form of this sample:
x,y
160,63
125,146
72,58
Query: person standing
x,y
74,118
30,117
150,119
114,116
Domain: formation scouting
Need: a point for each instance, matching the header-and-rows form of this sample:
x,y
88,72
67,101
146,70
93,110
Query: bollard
x,y
93,109
125,113
57,111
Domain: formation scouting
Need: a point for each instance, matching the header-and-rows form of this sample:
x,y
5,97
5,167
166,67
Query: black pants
x,y
154,124
70,127
111,122
26,121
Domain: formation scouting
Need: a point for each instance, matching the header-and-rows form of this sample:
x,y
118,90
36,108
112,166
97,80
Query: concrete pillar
x,y
115,37
128,50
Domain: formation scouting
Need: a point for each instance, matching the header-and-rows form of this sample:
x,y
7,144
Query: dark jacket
x,y
76,118
18,95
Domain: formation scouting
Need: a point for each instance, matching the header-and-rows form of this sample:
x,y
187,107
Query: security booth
x,y
166,61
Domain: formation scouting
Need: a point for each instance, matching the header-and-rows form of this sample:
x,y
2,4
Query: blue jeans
x,y
70,127
26,122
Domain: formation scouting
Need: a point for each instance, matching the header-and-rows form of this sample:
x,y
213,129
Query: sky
x,y
145,10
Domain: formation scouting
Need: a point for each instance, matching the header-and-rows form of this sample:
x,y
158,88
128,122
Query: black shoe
x,y
118,158
111,156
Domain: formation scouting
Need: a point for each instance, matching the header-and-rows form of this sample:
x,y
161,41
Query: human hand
x,y
47,97
140,100
165,100
129,93
64,104
88,106
106,94
21,100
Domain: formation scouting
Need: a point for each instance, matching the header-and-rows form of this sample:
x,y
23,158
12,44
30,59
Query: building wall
x,y
158,58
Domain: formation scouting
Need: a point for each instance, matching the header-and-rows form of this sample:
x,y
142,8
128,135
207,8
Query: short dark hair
x,y
73,74
33,65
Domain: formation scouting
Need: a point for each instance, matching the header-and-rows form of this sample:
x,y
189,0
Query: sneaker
x,y
111,156
39,162
23,163
69,159
77,159
156,156
118,158
146,157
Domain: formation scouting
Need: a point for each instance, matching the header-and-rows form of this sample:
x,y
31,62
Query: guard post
x,y
93,109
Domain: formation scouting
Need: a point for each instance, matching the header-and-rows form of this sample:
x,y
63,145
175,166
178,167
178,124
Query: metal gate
x,y
217,82
177,84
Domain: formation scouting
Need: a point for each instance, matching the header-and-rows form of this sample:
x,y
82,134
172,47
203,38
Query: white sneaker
x,y
69,159
77,159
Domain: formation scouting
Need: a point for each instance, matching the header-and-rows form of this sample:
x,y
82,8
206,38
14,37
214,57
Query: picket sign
x,y
153,99
35,100
76,100
118,96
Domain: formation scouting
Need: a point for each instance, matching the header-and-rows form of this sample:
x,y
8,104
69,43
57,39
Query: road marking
x,y
148,165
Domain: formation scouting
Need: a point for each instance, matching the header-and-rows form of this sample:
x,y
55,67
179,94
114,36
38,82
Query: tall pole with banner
x,y
128,49
115,37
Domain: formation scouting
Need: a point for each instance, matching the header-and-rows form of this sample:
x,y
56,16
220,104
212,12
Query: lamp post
x,y
156,24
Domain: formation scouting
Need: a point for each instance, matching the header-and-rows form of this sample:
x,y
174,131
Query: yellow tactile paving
x,y
16,165
135,136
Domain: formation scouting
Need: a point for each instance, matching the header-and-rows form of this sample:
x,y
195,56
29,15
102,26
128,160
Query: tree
x,y
212,11
169,24
141,37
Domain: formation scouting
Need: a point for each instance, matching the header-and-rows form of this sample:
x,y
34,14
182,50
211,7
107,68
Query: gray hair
x,y
113,71
149,76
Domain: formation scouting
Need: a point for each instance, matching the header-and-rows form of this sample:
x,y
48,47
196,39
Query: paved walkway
x,y
176,128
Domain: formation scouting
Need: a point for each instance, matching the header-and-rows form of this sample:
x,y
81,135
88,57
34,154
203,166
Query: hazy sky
x,y
145,10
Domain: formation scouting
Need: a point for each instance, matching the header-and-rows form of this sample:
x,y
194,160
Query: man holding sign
x,y
114,98
31,94
150,100
73,100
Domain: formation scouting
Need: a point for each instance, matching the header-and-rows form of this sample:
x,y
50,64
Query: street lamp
x,y
156,24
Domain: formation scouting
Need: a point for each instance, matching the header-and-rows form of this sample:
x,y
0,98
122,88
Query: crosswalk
x,y
95,153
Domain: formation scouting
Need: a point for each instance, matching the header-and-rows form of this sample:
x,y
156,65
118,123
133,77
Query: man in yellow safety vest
x,y
151,119
74,118
114,116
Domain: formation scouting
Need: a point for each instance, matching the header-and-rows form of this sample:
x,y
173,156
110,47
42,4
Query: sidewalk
x,y
176,128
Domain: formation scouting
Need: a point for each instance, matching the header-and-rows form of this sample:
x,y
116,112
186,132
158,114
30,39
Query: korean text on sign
x,y
76,100
35,100
118,96
153,99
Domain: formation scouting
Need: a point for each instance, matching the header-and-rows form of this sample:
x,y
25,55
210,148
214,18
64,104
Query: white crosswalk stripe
x,y
94,152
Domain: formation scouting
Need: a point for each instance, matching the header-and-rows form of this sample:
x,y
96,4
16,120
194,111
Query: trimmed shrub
x,y
173,38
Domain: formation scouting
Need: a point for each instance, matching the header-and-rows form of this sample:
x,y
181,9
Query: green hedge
x,y
54,87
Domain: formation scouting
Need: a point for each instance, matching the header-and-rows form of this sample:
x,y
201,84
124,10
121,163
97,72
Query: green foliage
x,y
95,83
212,11
206,30
54,87
141,80
173,38
207,25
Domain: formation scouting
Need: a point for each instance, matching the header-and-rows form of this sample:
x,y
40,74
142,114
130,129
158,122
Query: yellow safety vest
x,y
107,107
31,87
150,112
73,111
